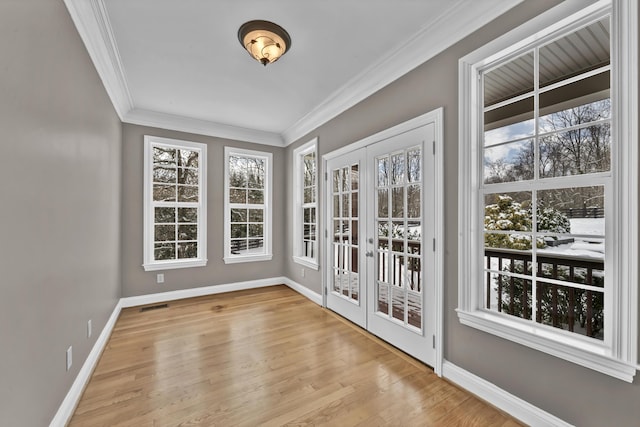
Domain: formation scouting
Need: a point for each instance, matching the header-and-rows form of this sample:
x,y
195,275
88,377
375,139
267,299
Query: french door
x,y
381,224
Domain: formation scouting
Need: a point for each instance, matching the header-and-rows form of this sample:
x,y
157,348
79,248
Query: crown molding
x,y
92,22
202,127
462,19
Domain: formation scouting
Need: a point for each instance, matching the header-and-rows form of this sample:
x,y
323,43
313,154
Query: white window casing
x,y
247,205
305,245
175,222
616,354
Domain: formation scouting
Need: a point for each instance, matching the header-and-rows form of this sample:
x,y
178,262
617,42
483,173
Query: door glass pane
x,y
398,237
345,258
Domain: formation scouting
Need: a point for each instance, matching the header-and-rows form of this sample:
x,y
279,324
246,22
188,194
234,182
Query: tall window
x,y
174,204
544,199
305,237
247,205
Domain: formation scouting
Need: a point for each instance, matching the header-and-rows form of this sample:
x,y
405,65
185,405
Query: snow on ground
x,y
591,226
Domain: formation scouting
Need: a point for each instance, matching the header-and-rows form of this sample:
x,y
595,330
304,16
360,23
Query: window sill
x,y
169,265
247,258
573,349
307,262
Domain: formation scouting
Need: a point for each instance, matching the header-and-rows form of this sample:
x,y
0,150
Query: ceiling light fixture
x,y
264,40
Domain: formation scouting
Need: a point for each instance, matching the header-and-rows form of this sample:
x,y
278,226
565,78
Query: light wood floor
x,y
264,357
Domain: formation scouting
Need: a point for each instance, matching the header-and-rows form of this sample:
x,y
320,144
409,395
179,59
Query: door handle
x,y
369,253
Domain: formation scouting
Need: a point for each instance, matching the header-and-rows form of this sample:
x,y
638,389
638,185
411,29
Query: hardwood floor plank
x,y
261,357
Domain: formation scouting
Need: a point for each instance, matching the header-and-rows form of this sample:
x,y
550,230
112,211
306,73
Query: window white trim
x,y
230,258
149,263
298,190
618,357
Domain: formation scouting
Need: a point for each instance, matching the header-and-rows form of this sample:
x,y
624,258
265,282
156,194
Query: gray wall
x,y
135,281
577,395
60,215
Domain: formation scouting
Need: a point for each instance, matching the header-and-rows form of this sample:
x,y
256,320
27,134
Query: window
x,y
174,204
545,253
305,206
247,201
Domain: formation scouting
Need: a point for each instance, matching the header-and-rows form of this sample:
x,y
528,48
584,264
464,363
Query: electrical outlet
x,y
160,278
303,272
89,329
69,357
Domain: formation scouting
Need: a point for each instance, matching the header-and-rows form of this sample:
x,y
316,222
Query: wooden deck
x,y
266,357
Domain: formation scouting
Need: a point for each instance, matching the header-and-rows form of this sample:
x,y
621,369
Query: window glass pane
x,y
256,215
187,250
414,165
509,162
256,197
383,202
255,230
165,215
187,232
509,80
576,310
238,215
237,196
238,230
383,171
187,194
164,174
575,53
336,181
237,171
508,294
397,202
509,123
164,193
164,251
188,176
308,195
344,179
355,177
164,233
187,215
397,169
560,111
188,158
508,211
255,172
576,152
413,201
164,156
309,163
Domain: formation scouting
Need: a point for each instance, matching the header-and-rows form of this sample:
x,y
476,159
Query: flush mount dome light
x,y
264,40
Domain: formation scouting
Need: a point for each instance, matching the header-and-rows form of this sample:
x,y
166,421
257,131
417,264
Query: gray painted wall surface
x,y
135,281
60,216
577,395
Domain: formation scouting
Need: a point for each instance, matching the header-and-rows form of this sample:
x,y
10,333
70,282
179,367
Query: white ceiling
x,y
178,64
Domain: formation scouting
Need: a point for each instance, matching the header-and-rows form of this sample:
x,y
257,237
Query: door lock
x,y
370,240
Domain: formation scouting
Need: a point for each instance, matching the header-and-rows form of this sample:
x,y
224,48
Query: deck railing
x,y
577,309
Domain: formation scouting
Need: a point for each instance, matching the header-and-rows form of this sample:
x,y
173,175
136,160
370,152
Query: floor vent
x,y
154,307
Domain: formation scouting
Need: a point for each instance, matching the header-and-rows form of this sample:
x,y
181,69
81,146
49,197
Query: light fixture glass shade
x,y
264,40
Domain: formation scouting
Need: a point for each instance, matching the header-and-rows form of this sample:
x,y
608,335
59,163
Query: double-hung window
x,y
305,207
548,188
247,205
174,203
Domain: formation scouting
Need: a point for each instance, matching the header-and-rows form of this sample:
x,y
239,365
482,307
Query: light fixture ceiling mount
x,y
265,41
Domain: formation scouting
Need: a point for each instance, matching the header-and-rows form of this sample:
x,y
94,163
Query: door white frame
x,y
435,117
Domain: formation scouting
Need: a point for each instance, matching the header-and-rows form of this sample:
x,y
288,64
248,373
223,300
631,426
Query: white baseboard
x,y
303,290
198,292
514,406
71,400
